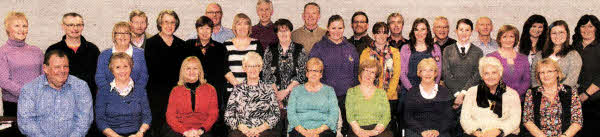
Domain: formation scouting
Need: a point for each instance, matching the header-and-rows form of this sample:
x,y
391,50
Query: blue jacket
x,y
139,72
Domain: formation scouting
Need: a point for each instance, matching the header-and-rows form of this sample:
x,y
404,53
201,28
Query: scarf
x,y
385,59
484,94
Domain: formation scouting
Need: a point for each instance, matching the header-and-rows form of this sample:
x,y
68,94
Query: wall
x,y
100,15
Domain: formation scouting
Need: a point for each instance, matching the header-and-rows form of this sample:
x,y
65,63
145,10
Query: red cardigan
x,y
180,115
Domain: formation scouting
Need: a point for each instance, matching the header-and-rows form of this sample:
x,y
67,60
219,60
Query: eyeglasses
x,y
74,25
253,66
214,12
315,70
547,72
122,33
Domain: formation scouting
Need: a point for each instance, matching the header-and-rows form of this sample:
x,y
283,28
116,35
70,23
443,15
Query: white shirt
x,y
122,92
139,44
129,50
467,46
428,95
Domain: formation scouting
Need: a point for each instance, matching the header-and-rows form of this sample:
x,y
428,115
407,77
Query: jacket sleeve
x,y
142,78
146,113
103,74
213,109
405,53
171,114
100,110
574,62
467,121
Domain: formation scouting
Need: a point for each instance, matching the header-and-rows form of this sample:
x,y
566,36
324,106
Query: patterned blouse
x,y
252,106
286,67
550,121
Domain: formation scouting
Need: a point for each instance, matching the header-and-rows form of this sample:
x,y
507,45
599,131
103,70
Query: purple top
x,y
265,34
515,76
20,63
340,63
405,59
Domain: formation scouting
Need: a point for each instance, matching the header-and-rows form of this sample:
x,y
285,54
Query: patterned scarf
x,y
385,59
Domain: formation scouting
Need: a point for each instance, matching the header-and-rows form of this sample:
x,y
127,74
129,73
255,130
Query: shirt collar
x,y
46,83
129,50
428,95
139,44
467,46
122,92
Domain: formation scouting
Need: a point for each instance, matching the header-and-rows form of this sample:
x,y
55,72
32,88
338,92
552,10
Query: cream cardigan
x,y
474,117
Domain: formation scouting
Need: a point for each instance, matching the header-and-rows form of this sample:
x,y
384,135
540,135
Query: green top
x,y
375,110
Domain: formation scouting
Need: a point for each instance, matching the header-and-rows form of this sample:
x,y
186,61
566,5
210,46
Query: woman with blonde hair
x,y
20,62
192,108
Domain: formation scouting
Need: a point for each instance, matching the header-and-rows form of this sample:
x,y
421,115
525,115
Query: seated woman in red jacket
x,y
192,114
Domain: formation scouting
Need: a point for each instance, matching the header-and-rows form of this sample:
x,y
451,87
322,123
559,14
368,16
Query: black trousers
x,y
342,106
10,108
326,133
385,133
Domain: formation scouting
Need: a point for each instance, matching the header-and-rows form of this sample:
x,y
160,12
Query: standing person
x,y
585,41
20,62
484,41
310,33
421,46
163,60
534,35
193,107
312,109
121,38
83,55
139,22
441,29
360,25
367,109
552,109
252,108
122,107
389,58
428,110
220,33
340,60
491,108
516,67
558,49
263,30
212,55
55,104
395,22
460,68
237,47
285,66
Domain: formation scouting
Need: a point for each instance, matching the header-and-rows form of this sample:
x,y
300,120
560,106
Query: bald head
x,y
214,12
484,26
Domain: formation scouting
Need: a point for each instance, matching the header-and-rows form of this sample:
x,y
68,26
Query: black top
x,y
163,63
361,44
422,114
213,60
449,42
82,63
397,44
590,74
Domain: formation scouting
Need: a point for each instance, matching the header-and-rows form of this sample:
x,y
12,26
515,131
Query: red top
x,y
180,115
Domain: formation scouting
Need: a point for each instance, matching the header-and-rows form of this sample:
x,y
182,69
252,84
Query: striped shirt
x,y
235,56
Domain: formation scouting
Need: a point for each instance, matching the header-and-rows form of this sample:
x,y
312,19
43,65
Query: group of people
x,y
269,80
